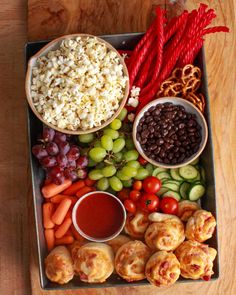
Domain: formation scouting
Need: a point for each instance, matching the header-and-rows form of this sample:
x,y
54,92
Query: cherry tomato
x,y
130,206
151,184
169,205
142,161
137,185
149,203
123,194
135,195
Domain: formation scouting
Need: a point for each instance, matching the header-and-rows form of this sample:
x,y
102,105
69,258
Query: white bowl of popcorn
x,y
77,84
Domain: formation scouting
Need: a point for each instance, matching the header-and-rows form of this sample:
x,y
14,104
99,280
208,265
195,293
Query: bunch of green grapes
x,y
113,157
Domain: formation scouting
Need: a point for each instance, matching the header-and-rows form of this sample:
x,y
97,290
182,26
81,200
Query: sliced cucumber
x,y
172,181
195,162
171,186
203,174
163,175
158,170
188,172
196,191
175,174
184,188
162,191
172,194
198,178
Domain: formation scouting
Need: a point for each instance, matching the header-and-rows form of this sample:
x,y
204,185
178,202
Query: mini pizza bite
x,y
136,224
196,260
131,259
117,242
59,265
165,235
162,269
187,209
94,262
200,226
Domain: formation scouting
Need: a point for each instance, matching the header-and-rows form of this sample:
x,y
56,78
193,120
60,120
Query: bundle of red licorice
x,y
167,45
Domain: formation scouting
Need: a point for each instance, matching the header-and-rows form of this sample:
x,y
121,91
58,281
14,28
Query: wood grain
x,y
47,19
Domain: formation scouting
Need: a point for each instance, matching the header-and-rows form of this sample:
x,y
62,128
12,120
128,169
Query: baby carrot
x,y
76,235
63,228
66,240
84,190
74,188
58,198
52,189
50,239
69,214
89,182
47,214
61,211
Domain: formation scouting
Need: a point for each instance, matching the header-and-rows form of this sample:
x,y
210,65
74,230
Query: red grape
x,y
39,151
59,179
48,162
52,148
73,153
82,162
62,161
82,173
59,137
48,134
56,175
71,164
64,147
70,174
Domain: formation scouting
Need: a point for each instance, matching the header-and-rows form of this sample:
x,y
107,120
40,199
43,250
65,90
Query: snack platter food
x,y
121,42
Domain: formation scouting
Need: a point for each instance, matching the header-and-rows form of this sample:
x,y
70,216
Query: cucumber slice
x,y
196,191
188,172
172,194
162,191
163,175
175,174
171,186
198,178
184,188
172,181
203,174
194,162
158,170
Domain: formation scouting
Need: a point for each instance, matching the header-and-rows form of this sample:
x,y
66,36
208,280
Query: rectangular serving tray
x,y
208,202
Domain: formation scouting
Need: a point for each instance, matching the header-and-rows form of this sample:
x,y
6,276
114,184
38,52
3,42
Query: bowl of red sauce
x,y
99,216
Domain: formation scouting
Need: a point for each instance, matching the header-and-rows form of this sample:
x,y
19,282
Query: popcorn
x,y
79,85
133,100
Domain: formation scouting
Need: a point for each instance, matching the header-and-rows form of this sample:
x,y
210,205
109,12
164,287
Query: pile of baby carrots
x,y
57,210
167,45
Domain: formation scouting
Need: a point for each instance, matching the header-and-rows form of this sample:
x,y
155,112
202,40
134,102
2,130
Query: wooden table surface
x,y
47,19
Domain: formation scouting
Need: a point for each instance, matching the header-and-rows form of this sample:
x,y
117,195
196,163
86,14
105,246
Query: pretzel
x,y
192,85
165,85
177,73
173,90
189,71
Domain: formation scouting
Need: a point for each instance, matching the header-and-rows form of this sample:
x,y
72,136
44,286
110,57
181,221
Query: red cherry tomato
x,y
169,205
137,185
135,195
149,203
130,206
142,161
151,184
123,194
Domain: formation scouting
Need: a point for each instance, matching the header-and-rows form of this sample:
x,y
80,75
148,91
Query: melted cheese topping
x,y
136,225
117,242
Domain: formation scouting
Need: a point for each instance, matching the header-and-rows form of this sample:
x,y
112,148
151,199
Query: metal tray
x,y
120,41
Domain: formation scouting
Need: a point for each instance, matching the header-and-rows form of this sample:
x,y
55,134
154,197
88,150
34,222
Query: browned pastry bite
x,y
162,269
165,235
94,262
59,265
131,259
196,260
117,242
136,224
74,248
187,209
200,226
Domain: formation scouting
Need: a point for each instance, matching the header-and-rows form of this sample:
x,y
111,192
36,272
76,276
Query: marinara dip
x,y
99,216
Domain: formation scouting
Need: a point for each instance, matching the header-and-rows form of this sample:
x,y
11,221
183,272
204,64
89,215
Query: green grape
x,y
122,176
108,171
107,142
118,157
115,183
115,124
131,155
127,183
112,133
86,138
91,163
129,144
122,114
129,171
134,164
102,184
122,135
149,168
95,174
97,144
97,154
118,145
141,173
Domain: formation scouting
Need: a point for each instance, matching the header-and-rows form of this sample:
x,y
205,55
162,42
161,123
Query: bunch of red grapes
x,y
59,158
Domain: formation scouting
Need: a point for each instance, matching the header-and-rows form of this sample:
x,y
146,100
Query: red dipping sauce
x,y
99,216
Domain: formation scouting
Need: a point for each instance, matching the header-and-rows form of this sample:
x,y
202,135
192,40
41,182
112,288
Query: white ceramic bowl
x,y
53,45
190,108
